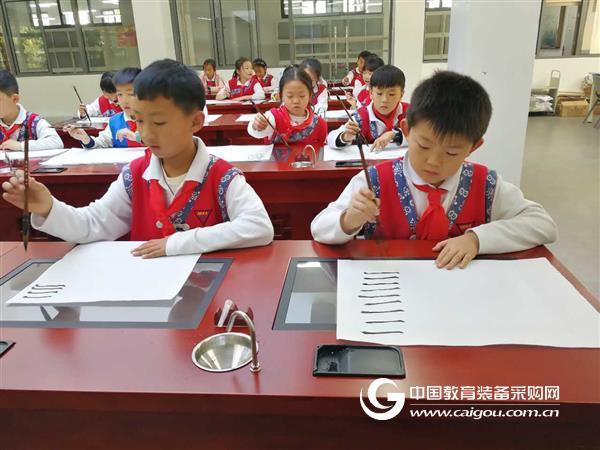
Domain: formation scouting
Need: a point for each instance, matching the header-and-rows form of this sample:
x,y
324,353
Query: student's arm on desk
x,y
517,223
260,121
259,92
326,227
249,225
47,138
105,219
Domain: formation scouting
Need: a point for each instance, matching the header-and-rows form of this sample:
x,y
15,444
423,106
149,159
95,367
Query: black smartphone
x,y
49,170
5,346
352,163
358,361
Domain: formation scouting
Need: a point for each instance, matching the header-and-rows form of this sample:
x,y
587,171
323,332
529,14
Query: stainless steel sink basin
x,y
228,351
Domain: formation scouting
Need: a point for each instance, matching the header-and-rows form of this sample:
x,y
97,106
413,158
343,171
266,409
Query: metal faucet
x,y
254,365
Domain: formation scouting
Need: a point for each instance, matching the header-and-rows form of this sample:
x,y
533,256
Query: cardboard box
x,y
574,108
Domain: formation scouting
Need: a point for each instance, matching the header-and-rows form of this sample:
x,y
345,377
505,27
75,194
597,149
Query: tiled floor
x,y
561,170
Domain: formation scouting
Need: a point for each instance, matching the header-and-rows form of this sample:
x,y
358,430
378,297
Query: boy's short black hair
x,y
8,83
312,64
210,62
126,75
172,80
373,62
106,82
364,54
259,62
453,103
387,76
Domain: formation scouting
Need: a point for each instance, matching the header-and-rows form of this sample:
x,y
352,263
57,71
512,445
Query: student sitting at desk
x,y
320,97
177,197
243,85
433,193
295,119
379,121
361,95
121,129
106,105
266,80
14,118
210,79
355,76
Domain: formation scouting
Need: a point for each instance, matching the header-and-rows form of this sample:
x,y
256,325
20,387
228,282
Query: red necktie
x,y
434,222
132,125
7,132
161,212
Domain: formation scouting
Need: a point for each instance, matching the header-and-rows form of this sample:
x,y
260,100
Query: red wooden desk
x,y
137,388
226,130
247,108
293,197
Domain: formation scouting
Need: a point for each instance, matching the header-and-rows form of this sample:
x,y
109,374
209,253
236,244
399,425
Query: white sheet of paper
x,y
242,153
228,101
16,156
108,272
94,120
341,114
245,118
83,156
212,117
351,152
523,302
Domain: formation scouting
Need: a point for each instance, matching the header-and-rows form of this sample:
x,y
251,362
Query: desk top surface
x,y
158,361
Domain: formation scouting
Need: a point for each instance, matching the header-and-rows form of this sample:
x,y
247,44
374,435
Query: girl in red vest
x,y
243,85
379,122
177,197
433,193
106,105
266,80
355,76
295,119
320,97
210,79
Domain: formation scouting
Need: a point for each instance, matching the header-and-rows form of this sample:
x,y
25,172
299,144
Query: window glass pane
x,y
237,20
437,30
26,36
590,39
557,34
195,31
273,34
61,39
3,44
108,34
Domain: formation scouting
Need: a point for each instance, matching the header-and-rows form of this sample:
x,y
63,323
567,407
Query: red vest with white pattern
x,y
205,207
361,116
471,206
312,131
108,108
240,90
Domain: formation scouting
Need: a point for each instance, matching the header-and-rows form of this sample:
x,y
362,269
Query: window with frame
x,y
569,28
69,36
437,30
334,31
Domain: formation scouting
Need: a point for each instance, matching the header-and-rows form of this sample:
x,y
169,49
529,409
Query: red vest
x,y
364,97
31,121
369,129
266,81
315,97
357,77
312,131
239,90
204,207
108,108
211,83
471,206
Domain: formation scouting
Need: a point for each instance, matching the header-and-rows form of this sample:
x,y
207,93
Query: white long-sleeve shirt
x,y
332,137
322,99
269,132
258,92
516,223
47,137
110,217
93,109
